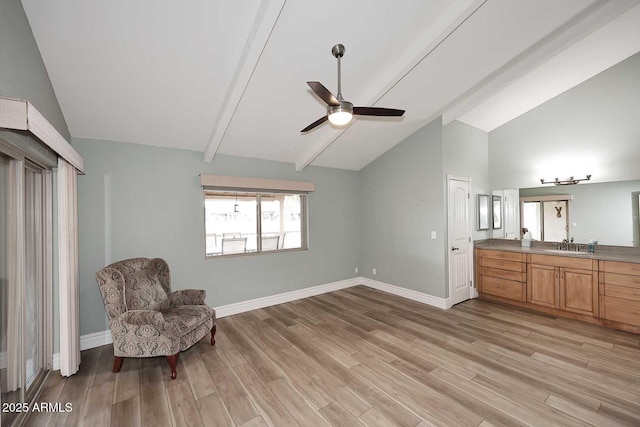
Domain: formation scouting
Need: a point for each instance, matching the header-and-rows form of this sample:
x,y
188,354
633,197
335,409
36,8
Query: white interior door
x,y
460,248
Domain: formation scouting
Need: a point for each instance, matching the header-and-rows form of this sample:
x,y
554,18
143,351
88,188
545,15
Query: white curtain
x,y
68,268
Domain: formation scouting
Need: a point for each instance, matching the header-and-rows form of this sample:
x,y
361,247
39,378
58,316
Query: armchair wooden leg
x,y
173,362
213,335
117,363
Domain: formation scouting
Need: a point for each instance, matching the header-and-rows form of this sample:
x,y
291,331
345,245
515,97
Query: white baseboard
x,y
87,341
98,339
95,339
443,303
55,362
241,307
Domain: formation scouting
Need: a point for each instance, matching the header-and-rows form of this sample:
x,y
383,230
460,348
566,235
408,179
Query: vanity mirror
x,y
483,211
497,212
606,212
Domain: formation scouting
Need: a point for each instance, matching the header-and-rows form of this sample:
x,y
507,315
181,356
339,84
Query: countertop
x,y
602,252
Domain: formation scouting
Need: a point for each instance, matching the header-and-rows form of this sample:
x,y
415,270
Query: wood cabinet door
x,y
543,285
579,291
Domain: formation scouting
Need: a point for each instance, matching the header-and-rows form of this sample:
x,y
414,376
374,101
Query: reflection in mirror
x,y
606,212
497,212
483,211
546,220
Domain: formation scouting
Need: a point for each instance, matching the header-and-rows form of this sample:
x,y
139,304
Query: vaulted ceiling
x,y
230,76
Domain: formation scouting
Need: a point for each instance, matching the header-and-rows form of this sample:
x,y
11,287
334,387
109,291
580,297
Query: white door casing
x,y
459,247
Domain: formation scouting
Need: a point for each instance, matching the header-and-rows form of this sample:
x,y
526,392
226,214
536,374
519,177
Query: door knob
x,y
454,249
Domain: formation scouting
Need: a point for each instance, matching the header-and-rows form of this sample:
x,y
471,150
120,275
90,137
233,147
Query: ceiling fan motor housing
x,y
345,106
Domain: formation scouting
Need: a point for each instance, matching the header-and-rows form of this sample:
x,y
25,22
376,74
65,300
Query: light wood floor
x,y
364,357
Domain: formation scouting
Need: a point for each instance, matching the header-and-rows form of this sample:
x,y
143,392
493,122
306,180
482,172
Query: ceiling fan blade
x,y
318,122
376,111
324,93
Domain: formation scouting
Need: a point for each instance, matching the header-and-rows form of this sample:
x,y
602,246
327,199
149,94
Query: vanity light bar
x,y
570,181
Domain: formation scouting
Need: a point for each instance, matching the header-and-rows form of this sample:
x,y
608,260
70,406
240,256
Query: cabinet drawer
x,y
503,265
504,274
622,280
622,292
562,261
622,310
503,255
620,267
503,288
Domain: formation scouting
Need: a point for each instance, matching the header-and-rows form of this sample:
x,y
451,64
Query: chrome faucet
x,y
567,244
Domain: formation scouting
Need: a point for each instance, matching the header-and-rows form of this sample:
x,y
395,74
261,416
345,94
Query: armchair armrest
x,y
187,297
144,317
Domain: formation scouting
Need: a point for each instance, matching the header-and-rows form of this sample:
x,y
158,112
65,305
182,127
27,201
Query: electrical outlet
x,y
374,271
433,235
356,270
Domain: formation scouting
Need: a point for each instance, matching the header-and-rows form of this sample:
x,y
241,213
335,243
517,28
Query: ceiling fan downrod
x,y
338,52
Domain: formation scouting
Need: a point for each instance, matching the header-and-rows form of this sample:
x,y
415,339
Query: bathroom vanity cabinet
x,y
584,287
620,296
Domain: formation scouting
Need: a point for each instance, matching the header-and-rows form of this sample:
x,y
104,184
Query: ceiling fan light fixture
x,y
340,118
341,114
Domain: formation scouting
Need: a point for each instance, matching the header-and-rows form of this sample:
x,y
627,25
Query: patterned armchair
x,y
146,318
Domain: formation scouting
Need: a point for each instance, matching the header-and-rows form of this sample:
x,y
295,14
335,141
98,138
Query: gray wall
x,y
466,153
22,72
146,201
402,200
601,211
404,197
593,128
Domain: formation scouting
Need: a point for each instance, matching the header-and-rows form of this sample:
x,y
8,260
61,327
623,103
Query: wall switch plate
x,y
374,271
433,235
356,270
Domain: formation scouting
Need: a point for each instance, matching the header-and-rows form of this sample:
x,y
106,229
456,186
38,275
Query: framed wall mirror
x,y
483,211
497,212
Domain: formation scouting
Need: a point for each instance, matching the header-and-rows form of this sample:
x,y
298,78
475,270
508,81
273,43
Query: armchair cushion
x,y
182,319
142,290
187,297
144,317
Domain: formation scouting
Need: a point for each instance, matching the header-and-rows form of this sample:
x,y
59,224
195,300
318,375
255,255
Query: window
x,y
235,219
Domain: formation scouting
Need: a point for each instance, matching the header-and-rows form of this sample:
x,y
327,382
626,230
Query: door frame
x,y
473,293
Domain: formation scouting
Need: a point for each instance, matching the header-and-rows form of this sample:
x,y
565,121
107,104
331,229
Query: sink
x,y
566,252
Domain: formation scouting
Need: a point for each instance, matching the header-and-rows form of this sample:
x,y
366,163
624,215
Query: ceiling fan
x,y
339,111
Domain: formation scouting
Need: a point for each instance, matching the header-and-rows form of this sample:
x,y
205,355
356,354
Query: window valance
x,y
245,183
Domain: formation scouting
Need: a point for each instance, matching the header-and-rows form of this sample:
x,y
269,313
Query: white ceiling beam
x,y
263,25
592,18
455,15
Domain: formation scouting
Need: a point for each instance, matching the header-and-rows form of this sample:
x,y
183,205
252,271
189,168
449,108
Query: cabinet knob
x,y
454,249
